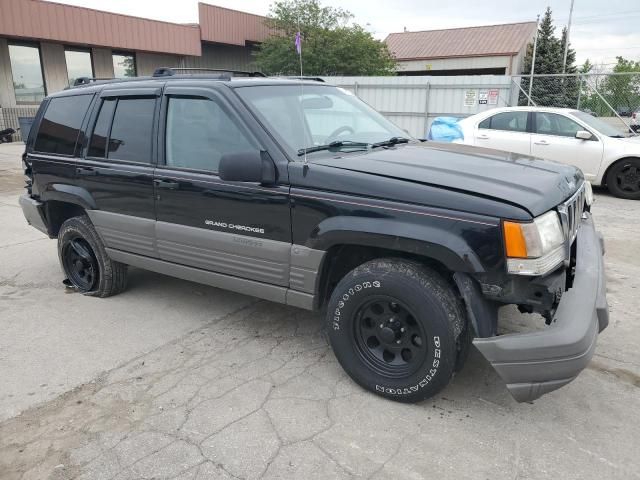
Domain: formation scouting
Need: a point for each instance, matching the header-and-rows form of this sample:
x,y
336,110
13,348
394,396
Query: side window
x,y
199,132
132,130
509,121
60,125
98,144
554,124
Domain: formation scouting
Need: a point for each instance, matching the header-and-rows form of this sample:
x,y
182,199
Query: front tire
x,y
85,262
397,328
623,179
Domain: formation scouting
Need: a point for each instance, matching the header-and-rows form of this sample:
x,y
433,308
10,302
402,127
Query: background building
x,y
44,46
486,50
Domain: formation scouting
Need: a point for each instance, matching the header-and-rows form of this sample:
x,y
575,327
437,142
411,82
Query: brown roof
x,y
84,26
487,40
223,25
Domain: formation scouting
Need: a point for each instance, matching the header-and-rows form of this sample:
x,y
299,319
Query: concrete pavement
x,y
175,380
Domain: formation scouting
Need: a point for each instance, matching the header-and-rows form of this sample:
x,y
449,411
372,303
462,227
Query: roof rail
x,y
170,71
305,77
87,80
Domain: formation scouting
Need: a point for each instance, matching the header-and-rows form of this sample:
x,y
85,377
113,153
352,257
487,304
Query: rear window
x,y
60,125
131,132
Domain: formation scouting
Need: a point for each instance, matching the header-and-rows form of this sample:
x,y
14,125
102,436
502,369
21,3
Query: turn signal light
x,y
514,241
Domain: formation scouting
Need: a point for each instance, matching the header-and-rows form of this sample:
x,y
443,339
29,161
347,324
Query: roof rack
x,y
304,77
170,71
87,80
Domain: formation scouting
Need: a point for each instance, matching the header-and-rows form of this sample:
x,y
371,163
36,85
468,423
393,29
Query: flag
x,y
298,43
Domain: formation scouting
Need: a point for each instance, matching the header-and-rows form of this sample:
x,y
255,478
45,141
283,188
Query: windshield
x,y
597,124
302,117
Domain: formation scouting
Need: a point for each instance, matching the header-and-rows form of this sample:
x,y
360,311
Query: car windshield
x,y
597,124
318,118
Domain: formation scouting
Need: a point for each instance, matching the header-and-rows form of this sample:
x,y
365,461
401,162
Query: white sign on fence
x,y
470,98
483,97
493,96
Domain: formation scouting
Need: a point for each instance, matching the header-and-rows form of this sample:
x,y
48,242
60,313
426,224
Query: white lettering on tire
x,y
347,296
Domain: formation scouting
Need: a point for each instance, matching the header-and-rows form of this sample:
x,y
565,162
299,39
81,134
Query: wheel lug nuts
x,y
382,325
397,341
402,330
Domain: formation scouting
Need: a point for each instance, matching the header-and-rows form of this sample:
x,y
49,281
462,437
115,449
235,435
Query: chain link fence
x,y
615,97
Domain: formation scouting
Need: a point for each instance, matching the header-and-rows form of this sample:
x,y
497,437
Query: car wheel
x,y
85,262
623,179
397,328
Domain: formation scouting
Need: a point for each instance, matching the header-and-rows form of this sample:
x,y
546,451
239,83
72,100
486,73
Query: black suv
x,y
297,192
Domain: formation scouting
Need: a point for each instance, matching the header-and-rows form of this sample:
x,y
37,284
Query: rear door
x,y
241,229
554,138
507,131
117,168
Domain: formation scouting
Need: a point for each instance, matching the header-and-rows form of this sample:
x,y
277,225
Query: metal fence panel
x,y
9,119
413,102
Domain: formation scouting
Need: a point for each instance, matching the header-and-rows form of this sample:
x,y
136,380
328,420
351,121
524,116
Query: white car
x,y
635,121
603,154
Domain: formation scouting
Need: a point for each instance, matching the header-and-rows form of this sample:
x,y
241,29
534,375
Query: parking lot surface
x,y
174,380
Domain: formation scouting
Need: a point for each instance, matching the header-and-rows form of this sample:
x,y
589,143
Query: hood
x,y
529,183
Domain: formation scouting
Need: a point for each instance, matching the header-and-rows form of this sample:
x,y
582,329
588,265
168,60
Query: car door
x,y
116,170
240,229
554,138
505,131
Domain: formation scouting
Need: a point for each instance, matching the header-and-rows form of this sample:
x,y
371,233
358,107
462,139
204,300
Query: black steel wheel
x,y
623,179
80,263
398,328
388,337
85,261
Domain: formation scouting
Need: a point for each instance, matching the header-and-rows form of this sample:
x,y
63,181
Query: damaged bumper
x,y
532,364
33,212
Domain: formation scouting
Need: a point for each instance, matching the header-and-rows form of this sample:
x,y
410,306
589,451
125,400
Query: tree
x,y
331,43
623,91
550,91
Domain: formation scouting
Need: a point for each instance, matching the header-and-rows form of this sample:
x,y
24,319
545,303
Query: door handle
x,y
541,142
166,184
483,137
84,171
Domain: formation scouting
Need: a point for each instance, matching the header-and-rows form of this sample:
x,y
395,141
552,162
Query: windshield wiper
x,y
390,142
331,146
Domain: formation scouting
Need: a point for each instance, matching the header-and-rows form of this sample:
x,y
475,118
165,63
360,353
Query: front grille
x,y
571,213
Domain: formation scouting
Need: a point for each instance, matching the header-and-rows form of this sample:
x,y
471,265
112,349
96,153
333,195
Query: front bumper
x,y
536,363
34,213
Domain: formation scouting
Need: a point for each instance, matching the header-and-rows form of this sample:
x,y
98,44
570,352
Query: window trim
x,y
195,93
528,127
82,50
127,54
594,137
94,119
44,81
81,129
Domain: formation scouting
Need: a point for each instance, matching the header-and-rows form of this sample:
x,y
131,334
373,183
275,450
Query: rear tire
x,y
623,179
397,328
85,262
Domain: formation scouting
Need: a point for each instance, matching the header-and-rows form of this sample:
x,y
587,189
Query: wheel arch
x,y
603,180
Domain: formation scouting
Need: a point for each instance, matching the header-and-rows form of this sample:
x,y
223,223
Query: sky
x,y
600,30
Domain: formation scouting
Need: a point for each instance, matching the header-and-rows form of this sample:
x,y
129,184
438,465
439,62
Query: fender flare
x,y
62,192
431,241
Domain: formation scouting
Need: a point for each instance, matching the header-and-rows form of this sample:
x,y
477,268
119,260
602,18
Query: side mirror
x,y
584,135
253,166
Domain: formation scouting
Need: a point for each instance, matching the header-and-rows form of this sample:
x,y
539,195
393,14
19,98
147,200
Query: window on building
x,y
199,132
79,64
60,126
132,129
509,121
26,69
124,65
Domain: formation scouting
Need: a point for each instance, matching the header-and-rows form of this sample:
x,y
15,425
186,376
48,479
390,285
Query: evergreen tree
x,y
550,91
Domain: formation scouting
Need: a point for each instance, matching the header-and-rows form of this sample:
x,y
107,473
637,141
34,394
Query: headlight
x,y
588,193
534,248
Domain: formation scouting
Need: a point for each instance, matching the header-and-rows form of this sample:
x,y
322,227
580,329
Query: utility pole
x,y
533,60
566,43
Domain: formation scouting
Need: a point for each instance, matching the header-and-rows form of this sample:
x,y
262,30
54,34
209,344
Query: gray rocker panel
x,y
124,232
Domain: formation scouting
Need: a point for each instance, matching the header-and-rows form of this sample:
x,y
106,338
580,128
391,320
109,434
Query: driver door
x,y
554,138
239,229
